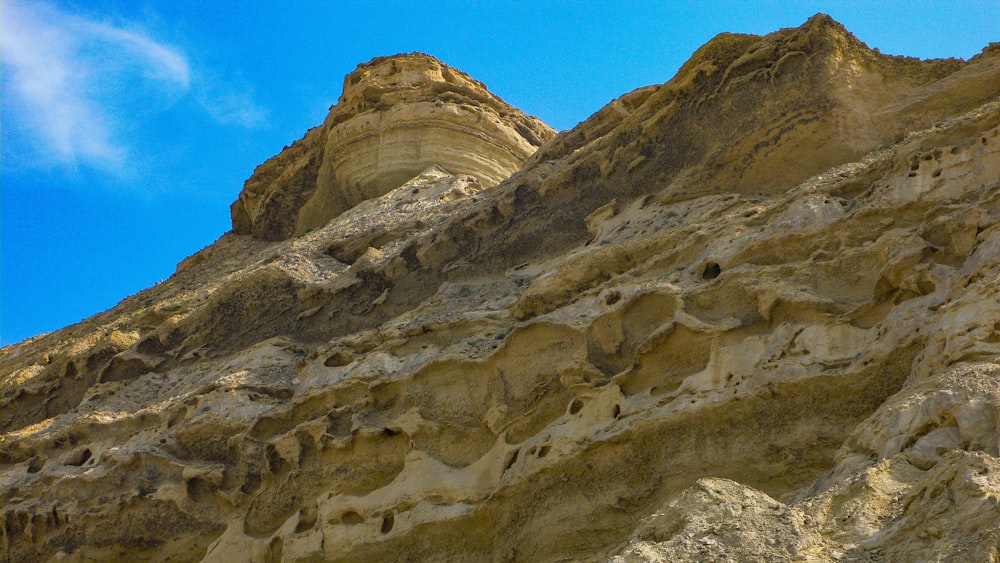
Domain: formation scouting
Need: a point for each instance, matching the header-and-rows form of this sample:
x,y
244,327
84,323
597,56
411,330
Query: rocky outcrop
x,y
397,116
750,314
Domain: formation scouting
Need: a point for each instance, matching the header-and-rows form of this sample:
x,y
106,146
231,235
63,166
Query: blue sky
x,y
128,127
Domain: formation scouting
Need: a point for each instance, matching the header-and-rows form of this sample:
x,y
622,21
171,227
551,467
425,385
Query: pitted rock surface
x,y
750,314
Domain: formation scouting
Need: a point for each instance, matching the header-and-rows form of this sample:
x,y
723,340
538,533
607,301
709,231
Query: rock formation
x,y
397,116
751,314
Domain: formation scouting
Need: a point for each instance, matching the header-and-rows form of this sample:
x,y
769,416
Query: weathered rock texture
x,y
752,314
397,116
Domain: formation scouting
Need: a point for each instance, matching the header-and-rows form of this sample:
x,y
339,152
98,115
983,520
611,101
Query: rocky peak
x,y
808,98
409,76
750,314
397,116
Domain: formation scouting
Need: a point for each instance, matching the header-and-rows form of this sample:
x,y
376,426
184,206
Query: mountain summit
x,y
749,314
397,116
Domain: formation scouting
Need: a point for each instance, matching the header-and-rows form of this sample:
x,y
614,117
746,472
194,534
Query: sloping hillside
x,y
750,314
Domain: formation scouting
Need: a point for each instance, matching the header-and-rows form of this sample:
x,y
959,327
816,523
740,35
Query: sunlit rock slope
x,y
397,116
751,314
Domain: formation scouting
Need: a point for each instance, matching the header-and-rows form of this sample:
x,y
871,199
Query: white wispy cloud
x,y
80,87
229,102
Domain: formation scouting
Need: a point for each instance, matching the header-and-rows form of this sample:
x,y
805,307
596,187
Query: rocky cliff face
x,y
750,314
397,116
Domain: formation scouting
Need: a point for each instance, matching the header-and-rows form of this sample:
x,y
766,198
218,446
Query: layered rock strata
x,y
750,314
397,116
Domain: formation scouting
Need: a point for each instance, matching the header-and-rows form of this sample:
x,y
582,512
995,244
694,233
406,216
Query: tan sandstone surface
x,y
397,116
750,314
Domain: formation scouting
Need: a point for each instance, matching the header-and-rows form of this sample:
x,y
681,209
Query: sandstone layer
x,y
751,314
397,116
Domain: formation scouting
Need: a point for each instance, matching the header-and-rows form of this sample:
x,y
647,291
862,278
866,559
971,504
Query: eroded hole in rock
x,y
612,298
251,483
711,271
389,432
345,252
926,287
36,465
120,369
198,489
275,463
544,451
338,425
99,359
617,411
665,360
339,358
352,518
575,406
80,457
70,370
150,345
387,523
307,519
510,462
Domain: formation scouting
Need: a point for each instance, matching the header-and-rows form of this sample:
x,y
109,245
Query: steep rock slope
x,y
752,313
397,116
